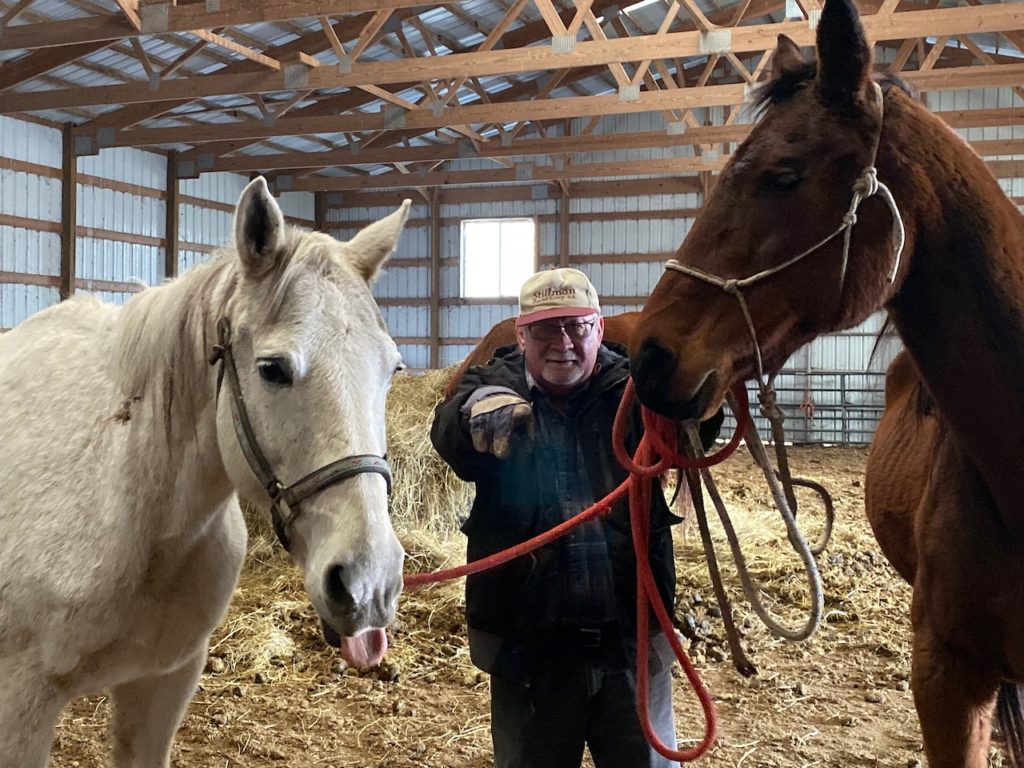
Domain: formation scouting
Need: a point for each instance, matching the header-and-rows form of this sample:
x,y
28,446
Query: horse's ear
x,y
787,58
373,244
844,58
259,228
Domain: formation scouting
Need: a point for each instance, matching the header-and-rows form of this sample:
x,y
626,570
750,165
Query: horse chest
x,y
168,616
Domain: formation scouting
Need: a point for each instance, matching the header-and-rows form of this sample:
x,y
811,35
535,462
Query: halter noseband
x,y
289,496
866,185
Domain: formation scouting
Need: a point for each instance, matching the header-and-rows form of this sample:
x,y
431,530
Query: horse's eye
x,y
274,370
781,181
400,367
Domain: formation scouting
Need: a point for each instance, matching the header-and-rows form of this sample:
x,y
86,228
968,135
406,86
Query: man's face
x,y
561,352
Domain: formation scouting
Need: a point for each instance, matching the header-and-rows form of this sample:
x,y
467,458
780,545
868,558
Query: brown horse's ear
x,y
787,59
844,58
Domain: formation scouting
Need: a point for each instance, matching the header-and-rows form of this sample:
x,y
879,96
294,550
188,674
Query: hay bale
x,y
427,497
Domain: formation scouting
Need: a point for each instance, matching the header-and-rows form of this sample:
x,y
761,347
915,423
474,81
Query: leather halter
x,y
284,500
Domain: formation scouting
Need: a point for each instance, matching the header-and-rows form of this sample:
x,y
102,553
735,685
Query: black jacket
x,y
512,494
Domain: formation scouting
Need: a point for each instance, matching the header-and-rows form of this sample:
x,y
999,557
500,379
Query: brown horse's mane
x,y
924,403
787,84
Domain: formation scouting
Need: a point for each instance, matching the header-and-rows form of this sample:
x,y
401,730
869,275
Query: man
x,y
556,629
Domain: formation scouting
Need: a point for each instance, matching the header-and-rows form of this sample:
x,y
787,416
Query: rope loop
x,y
867,184
731,286
849,218
769,405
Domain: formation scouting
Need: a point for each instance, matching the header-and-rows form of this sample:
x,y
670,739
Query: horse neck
x,y
163,341
960,305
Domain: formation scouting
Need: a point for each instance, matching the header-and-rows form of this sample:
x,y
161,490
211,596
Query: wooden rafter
x,y
532,173
932,23
425,119
567,145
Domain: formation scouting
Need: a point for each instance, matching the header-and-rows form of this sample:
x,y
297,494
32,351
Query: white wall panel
x,y
29,251
119,261
221,187
205,226
131,166
17,302
29,195
30,142
35,198
297,204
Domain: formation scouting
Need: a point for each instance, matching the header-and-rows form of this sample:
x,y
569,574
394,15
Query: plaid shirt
x,y
583,582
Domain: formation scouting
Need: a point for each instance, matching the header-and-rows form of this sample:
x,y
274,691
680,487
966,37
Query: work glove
x,y
494,418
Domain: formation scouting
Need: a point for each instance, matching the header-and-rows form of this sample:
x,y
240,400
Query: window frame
x,y
534,266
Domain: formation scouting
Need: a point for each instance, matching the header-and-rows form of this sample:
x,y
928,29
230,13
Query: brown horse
x,y
783,236
899,464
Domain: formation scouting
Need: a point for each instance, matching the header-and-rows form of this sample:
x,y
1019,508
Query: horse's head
x,y
785,190
314,362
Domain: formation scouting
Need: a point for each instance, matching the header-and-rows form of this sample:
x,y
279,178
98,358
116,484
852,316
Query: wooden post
x,y
320,211
563,229
707,183
171,217
435,278
68,214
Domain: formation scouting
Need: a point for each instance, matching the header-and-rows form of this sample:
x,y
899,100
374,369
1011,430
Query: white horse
x,y
121,447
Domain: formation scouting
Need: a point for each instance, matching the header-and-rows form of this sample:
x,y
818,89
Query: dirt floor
x,y
274,695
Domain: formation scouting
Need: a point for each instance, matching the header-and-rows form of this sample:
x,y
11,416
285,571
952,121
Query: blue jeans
x,y
582,701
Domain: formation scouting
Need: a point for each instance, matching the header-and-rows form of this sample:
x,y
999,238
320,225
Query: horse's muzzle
x,y
655,370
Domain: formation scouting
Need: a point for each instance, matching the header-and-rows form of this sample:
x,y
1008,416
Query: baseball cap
x,y
562,292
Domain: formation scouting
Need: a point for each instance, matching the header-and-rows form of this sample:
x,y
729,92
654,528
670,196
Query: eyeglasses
x,y
577,330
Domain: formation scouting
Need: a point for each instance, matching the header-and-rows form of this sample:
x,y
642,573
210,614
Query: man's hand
x,y
495,418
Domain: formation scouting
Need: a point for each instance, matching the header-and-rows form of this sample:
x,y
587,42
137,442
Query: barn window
x,y
497,256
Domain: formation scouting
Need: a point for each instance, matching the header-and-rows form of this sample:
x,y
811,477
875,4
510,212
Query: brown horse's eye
x,y
778,182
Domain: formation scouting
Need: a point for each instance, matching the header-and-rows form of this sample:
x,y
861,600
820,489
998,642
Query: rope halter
x,y
866,185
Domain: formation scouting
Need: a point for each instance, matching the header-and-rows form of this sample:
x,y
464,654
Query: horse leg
x,y
147,713
954,699
29,709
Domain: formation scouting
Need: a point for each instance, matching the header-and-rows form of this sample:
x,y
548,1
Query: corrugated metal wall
x,y
30,160
120,219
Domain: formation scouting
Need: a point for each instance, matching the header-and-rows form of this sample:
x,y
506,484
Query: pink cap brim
x,y
547,314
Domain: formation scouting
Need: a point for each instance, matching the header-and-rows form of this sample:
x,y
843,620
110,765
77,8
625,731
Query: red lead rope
x,y
660,436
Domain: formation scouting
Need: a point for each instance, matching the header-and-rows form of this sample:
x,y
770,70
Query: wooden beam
x,y
171,217
163,17
757,38
320,212
563,229
233,13
40,62
426,119
554,145
519,175
423,119
68,214
435,279
667,185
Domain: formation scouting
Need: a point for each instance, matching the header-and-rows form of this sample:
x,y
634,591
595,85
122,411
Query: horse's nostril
x,y
653,367
337,589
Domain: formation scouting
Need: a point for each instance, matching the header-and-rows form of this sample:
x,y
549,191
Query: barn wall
x,y
120,219
30,188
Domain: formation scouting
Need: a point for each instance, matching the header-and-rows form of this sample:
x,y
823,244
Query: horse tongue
x,y
365,649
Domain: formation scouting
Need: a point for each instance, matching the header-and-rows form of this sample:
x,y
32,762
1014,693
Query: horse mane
x,y
924,403
166,332
782,88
